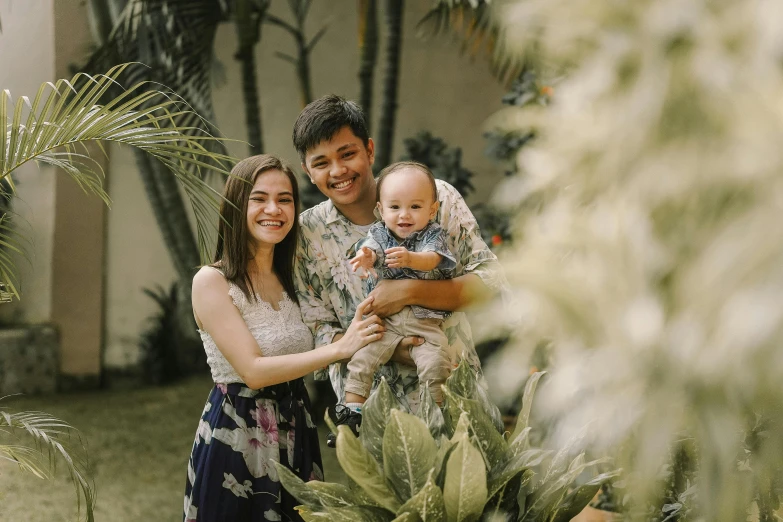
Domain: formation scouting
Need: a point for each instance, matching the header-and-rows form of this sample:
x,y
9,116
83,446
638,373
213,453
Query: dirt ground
x,y
138,442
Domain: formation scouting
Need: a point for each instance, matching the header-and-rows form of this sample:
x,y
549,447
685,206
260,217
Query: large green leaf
x,y
544,502
427,504
360,465
483,433
375,417
576,500
430,413
297,487
407,517
409,454
465,487
316,494
520,443
505,471
503,504
345,514
489,408
527,402
444,450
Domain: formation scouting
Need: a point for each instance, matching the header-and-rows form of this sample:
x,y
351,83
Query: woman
x,y
258,350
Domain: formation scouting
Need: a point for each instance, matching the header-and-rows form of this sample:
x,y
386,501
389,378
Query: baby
x,y
406,245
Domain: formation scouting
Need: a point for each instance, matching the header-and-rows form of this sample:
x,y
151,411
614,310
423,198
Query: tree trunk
x,y
171,215
368,51
248,26
393,20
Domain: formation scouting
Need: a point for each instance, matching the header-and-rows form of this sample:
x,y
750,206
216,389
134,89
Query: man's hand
x,y
390,296
365,259
402,353
398,257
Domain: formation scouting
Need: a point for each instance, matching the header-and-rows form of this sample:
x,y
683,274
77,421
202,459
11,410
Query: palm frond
x,y
67,114
174,38
51,440
476,24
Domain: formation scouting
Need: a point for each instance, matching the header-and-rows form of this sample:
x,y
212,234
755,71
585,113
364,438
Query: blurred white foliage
x,y
654,261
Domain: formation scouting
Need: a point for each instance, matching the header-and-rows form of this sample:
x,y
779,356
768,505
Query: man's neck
x,y
359,213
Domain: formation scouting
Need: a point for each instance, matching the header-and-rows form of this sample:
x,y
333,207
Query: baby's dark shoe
x,y
345,416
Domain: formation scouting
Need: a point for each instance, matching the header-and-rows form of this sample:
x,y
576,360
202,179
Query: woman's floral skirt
x,y
242,431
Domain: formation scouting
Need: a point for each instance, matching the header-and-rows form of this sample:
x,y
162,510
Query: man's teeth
x,y
343,184
271,223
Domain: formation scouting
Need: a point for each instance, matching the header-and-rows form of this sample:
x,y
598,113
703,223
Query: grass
x,y
138,443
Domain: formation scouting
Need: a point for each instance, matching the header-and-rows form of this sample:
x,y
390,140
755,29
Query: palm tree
x,y
54,129
368,53
174,40
391,74
248,15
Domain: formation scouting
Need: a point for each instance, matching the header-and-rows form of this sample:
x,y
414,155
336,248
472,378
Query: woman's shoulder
x,y
209,278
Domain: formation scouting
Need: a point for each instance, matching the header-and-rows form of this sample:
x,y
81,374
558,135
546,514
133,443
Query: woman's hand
x,y
362,331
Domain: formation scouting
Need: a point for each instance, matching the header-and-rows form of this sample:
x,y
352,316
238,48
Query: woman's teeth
x,y
271,223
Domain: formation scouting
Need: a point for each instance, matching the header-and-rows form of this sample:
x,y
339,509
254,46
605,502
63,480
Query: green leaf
x,y
375,417
335,495
462,382
360,465
407,517
575,502
427,504
503,504
409,454
504,472
430,413
483,433
297,487
345,514
527,402
553,489
520,443
444,450
465,487
462,429
489,408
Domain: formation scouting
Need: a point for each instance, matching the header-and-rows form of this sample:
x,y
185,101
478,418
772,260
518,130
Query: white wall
x,y
440,91
26,61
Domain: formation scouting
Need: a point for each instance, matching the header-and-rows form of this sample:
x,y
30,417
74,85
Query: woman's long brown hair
x,y
233,245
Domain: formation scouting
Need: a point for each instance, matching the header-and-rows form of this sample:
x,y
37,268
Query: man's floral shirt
x,y
329,290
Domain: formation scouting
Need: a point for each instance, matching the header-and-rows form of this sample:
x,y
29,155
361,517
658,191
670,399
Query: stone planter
x,y
29,359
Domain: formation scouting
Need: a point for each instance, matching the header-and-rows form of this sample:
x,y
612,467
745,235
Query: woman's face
x,y
270,210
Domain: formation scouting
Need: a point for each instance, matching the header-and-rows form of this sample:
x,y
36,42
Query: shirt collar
x,y
333,215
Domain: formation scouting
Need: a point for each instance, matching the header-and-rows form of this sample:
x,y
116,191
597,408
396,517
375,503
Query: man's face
x,y
342,168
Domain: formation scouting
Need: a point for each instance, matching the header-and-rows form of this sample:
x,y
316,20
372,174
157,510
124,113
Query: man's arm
x,y
447,294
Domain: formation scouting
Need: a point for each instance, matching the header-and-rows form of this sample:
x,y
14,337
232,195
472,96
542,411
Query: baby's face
x,y
407,203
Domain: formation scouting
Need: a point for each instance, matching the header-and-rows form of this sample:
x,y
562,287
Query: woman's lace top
x,y
278,332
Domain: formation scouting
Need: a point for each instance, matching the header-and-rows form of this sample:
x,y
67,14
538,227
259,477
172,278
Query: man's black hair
x,y
323,118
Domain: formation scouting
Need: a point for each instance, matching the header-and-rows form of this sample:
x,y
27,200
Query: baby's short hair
x,y
400,165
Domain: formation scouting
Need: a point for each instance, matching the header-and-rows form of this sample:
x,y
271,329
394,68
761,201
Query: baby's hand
x,y
398,257
365,259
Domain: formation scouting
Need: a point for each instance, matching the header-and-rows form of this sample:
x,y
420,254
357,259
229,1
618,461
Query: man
x,y
337,154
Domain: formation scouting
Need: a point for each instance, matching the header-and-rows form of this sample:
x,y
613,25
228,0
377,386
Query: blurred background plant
x,y
649,259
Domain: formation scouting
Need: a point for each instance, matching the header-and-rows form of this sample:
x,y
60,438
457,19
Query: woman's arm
x,y
215,312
